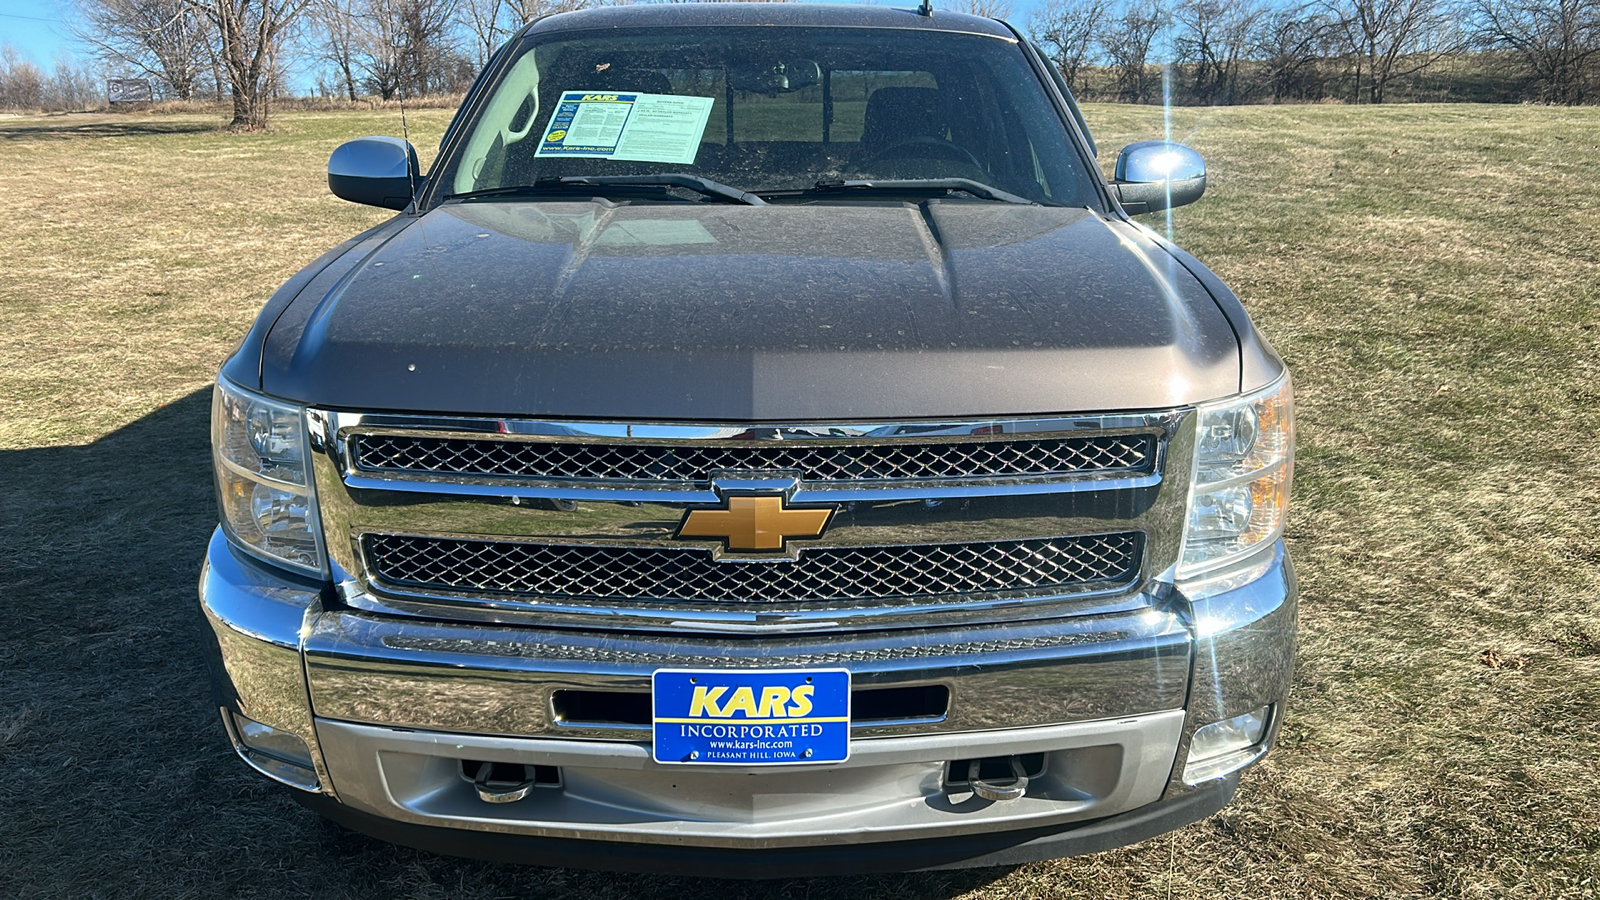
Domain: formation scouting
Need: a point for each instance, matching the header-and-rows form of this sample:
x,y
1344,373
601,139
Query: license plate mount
x,y
750,717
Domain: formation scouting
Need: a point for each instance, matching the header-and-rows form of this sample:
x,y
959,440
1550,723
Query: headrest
x,y
897,113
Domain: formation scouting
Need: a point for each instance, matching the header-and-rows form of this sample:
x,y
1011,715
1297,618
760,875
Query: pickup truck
x,y
761,444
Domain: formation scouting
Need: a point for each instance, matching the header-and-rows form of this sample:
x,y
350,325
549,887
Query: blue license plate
x,y
751,717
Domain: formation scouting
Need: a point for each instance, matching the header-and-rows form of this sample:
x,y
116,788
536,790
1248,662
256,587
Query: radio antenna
x,y
405,133
926,9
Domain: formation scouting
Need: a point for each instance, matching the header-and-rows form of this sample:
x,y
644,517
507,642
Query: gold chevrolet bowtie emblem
x,y
755,522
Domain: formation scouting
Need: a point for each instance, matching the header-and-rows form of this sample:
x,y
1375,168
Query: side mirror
x,y
1156,175
377,171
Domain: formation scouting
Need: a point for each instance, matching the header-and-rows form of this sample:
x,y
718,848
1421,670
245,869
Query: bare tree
x,y
526,11
492,22
1291,45
1394,38
381,46
1557,40
72,86
489,24
431,44
403,45
21,81
989,9
338,33
1127,39
169,40
26,87
251,34
1213,37
1066,31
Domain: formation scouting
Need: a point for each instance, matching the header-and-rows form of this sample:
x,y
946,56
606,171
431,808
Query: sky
x,y
38,28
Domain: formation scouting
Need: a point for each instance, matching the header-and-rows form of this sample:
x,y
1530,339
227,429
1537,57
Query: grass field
x,y
1428,271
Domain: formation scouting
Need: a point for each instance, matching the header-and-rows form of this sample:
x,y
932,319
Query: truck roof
x,y
818,15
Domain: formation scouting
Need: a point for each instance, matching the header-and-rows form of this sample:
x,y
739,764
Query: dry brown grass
x,y
1428,271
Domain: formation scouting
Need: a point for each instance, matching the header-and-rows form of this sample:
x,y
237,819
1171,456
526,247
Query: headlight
x,y
264,490
1244,461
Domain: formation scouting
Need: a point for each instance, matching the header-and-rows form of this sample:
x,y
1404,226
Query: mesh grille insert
x,y
691,575
691,461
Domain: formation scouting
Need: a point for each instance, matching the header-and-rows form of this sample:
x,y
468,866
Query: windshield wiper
x,y
576,184
902,185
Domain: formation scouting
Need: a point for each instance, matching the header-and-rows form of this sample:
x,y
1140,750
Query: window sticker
x,y
638,127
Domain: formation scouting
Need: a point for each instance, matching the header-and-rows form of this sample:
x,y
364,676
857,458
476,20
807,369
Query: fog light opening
x,y
1226,746
273,752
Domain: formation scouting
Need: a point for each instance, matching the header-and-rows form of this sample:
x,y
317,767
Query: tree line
x,y
25,85
1358,51
1216,51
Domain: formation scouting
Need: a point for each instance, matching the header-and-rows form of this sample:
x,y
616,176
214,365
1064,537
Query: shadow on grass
x,y
118,780
68,128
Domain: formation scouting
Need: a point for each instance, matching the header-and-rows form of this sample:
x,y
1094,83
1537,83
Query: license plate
x,y
751,717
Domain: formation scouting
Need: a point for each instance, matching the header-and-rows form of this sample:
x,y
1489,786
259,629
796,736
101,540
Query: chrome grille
x,y
693,462
691,575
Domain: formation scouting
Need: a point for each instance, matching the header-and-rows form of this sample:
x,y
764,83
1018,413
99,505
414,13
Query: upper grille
x,y
691,575
693,462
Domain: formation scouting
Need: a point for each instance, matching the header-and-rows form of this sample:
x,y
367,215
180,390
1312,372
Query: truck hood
x,y
738,313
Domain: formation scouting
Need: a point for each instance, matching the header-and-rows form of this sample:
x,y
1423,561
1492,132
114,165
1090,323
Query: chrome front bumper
x,y
390,707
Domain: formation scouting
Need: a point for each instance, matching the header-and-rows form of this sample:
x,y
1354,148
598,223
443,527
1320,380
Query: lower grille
x,y
691,575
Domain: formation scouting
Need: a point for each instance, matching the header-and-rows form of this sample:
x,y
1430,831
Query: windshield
x,y
772,111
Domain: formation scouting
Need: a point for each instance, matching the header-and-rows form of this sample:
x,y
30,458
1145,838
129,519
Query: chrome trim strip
x,y
929,431
499,679
638,523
